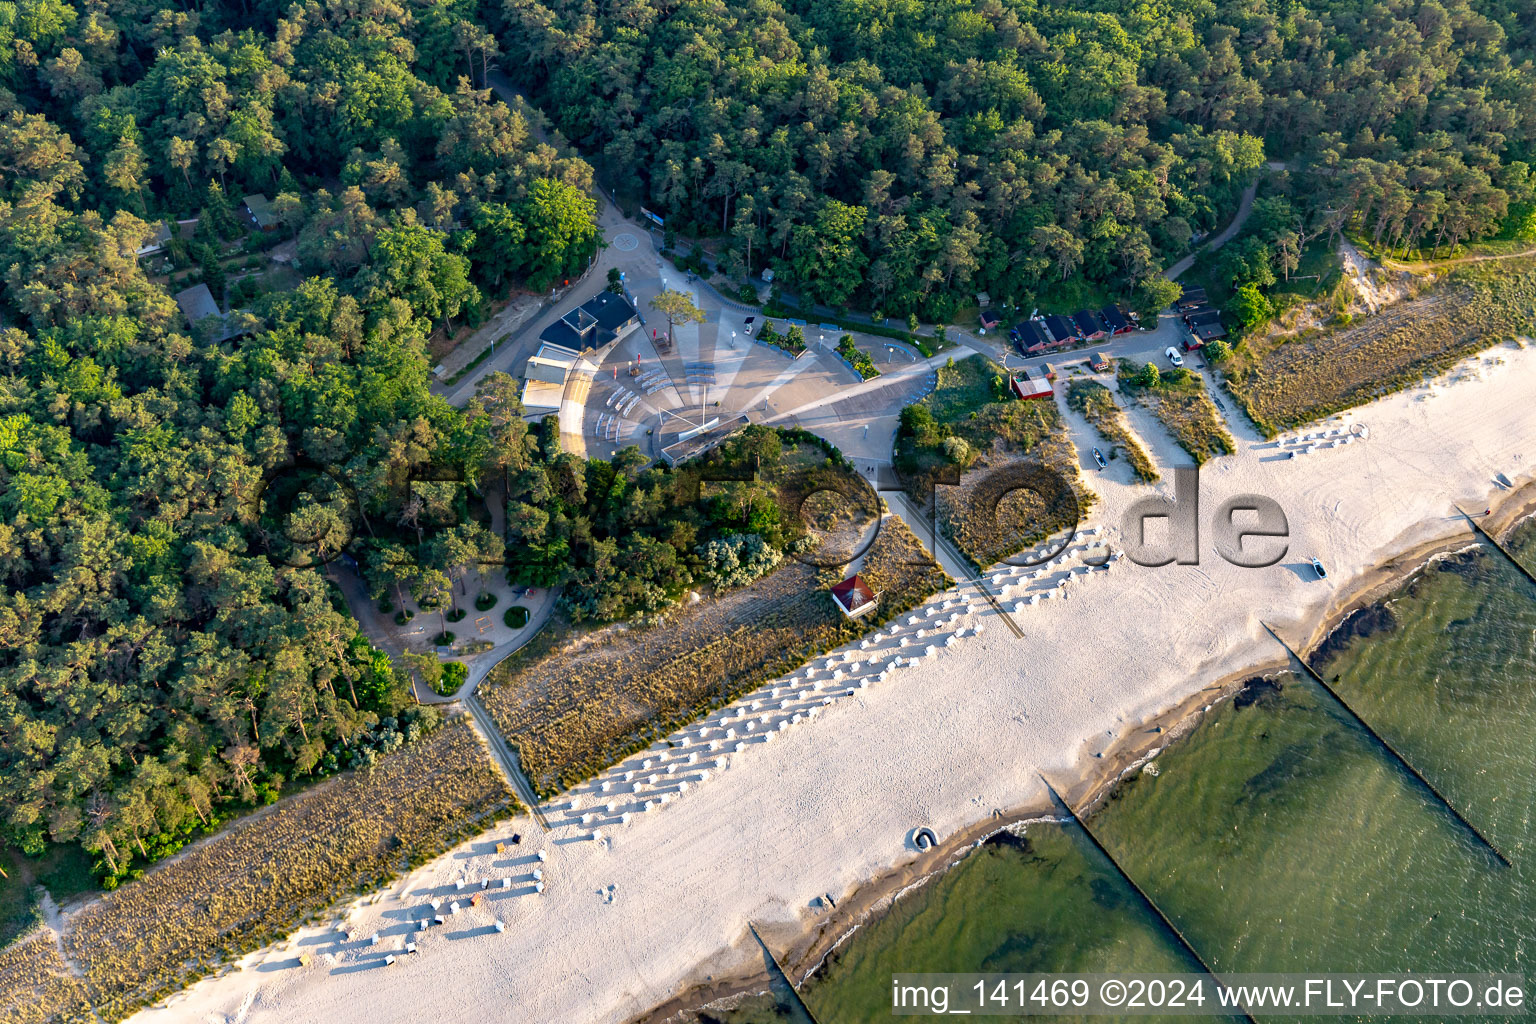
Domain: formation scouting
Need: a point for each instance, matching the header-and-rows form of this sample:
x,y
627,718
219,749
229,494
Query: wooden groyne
x,y
1145,897
1402,761
1491,539
794,992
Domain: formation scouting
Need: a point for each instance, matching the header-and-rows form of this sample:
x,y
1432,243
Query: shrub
x,y
485,602
957,450
445,638
456,615
1250,307
856,357
1179,401
454,674
516,616
737,560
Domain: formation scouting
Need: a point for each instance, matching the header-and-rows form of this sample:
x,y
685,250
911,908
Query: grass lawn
x,y
963,386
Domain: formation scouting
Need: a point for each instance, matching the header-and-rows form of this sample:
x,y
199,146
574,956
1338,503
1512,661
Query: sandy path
x,y
1426,265
663,901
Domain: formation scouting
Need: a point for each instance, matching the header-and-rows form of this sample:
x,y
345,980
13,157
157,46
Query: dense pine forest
x,y
902,154
170,651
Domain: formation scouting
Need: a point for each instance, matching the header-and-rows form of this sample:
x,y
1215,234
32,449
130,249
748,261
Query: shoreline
x,y
650,918
805,955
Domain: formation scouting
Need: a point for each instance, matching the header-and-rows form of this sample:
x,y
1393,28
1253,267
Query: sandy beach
x,y
657,909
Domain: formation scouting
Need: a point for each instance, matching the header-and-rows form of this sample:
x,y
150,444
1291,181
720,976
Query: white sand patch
x,y
662,899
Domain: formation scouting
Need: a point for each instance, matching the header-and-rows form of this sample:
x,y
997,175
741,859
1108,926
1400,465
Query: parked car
x,y
1174,357
1317,567
1098,457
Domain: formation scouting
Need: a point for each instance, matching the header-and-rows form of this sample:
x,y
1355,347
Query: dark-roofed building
x,y
1191,298
197,305
258,212
1208,332
1088,325
854,597
1100,362
1061,330
990,318
1114,320
603,318
1203,316
161,238
1030,337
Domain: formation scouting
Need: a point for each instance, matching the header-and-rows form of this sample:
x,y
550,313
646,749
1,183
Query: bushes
x,y
36,986
257,881
485,602
737,560
1283,385
856,357
454,674
516,617
1178,400
1097,406
793,342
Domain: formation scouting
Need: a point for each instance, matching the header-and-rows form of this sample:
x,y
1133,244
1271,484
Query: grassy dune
x,y
256,881
587,700
1097,405
1180,403
1287,382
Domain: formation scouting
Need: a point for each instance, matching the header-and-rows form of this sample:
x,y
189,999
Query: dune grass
x,y
1291,381
587,700
1179,402
36,987
256,881
1097,406
1016,468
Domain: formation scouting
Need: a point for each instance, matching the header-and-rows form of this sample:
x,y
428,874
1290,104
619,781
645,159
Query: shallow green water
x,y
1278,836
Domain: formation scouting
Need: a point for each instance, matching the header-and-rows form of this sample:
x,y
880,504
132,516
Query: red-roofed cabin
x,y
1030,389
854,598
